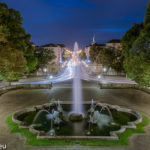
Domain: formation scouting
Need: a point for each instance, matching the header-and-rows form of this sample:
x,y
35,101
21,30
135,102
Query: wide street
x,y
19,99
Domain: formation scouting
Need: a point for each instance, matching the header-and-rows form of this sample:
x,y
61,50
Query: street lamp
x,y
99,76
99,79
104,69
45,69
51,77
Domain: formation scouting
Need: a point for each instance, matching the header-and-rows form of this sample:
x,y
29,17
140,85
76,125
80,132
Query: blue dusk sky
x,y
67,21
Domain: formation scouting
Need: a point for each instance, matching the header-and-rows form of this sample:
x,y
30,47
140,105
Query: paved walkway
x,y
19,99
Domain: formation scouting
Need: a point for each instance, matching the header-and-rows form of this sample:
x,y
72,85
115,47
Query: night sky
x,y
67,21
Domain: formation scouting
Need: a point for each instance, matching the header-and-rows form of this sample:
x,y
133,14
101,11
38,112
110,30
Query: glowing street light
x,y
99,76
104,69
51,77
45,69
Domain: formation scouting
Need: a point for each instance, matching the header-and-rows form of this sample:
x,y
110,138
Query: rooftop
x,y
114,41
100,45
53,45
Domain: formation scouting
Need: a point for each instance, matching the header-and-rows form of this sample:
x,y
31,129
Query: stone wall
x,y
123,86
116,86
24,86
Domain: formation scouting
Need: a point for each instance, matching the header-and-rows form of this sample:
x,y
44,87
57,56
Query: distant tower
x,y
94,41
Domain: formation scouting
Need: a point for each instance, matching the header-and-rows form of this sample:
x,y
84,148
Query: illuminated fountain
x,y
51,116
100,121
77,113
63,120
77,89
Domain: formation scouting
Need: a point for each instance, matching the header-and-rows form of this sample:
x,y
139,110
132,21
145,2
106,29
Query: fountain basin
x,y
105,129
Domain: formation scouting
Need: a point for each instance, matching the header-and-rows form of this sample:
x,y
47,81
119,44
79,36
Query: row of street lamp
x,y
45,70
99,76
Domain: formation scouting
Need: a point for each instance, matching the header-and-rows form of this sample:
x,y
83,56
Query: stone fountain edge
x,y
113,134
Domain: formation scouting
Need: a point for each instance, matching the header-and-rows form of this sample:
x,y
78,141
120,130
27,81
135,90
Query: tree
x,y
16,35
117,62
130,36
111,58
2,36
105,57
12,63
16,50
147,15
139,65
44,56
82,55
127,41
94,50
137,56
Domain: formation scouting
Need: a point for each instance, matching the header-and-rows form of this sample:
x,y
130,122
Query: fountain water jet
x,y
39,113
77,86
77,112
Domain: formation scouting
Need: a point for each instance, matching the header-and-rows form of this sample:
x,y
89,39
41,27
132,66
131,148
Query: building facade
x,y
58,52
54,65
87,49
114,44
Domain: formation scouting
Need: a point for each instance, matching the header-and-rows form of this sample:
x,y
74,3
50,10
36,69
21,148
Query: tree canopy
x,y
105,57
147,15
111,58
12,64
44,56
82,55
2,35
136,51
14,43
94,51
